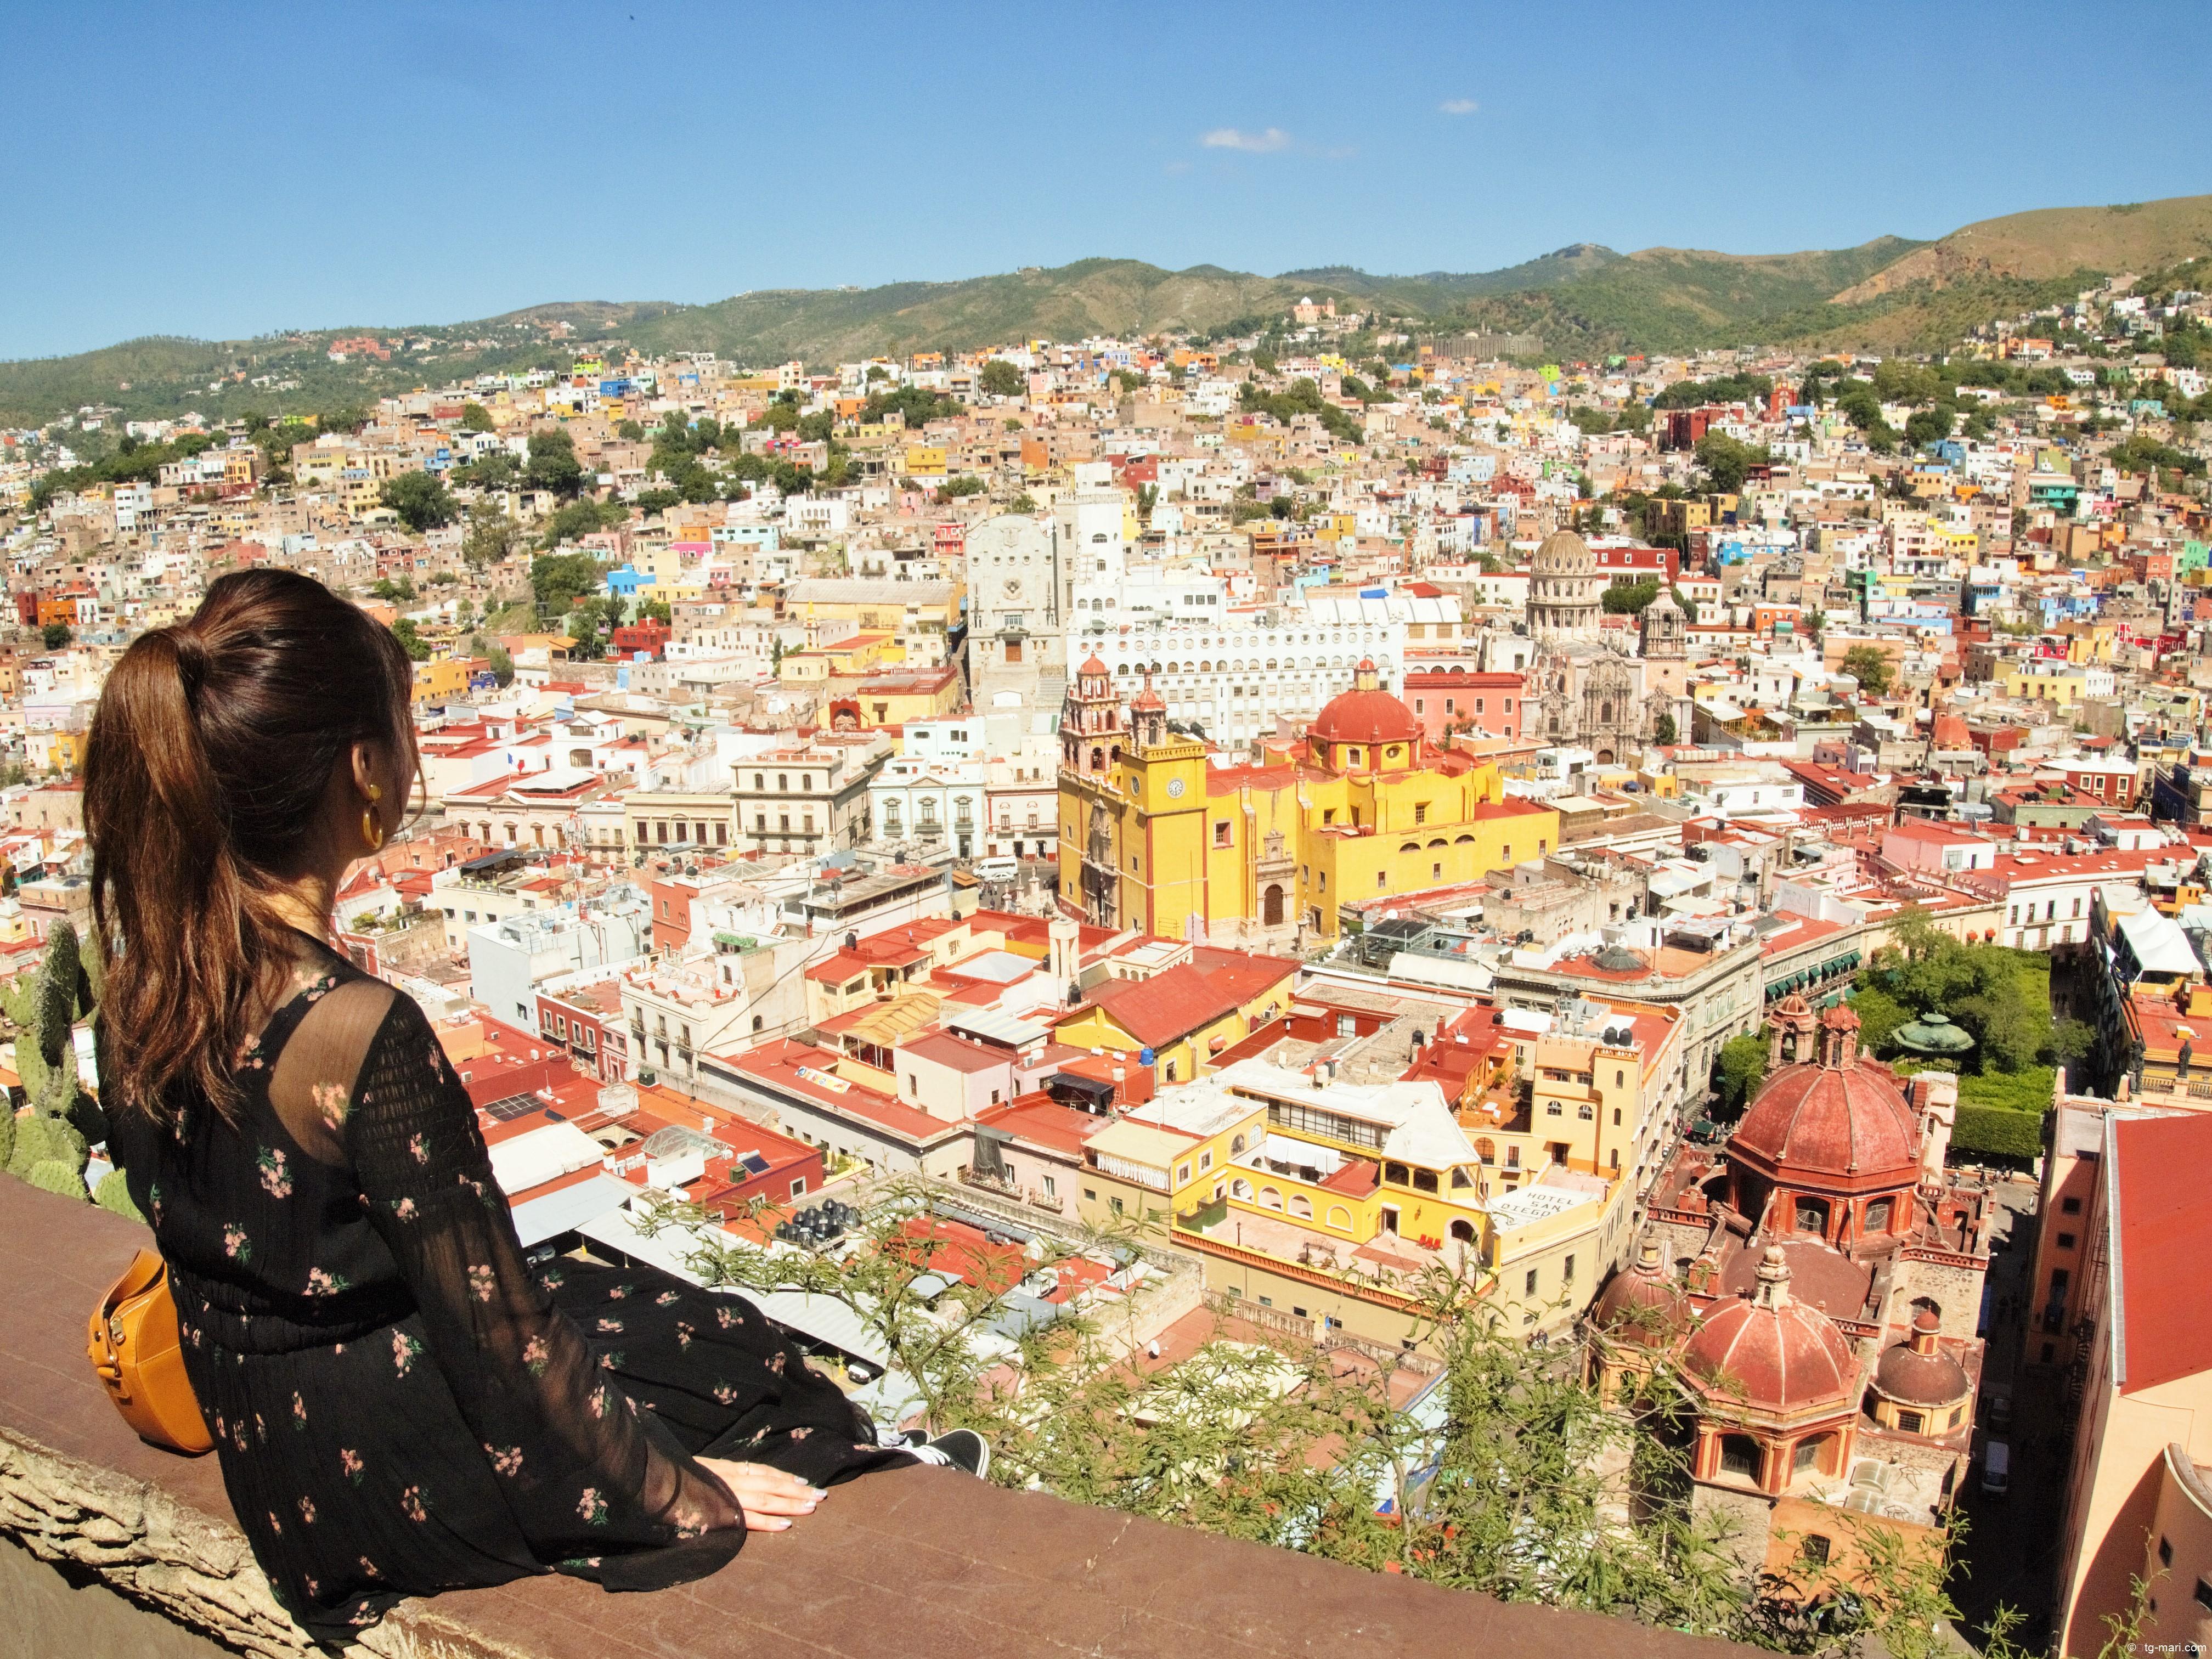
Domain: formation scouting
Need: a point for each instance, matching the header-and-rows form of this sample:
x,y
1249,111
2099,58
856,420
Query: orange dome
x,y
1830,1121
1642,1306
1365,714
1767,1351
1092,665
1917,1372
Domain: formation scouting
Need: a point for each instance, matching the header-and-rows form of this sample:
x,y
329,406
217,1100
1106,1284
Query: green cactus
x,y
47,1139
113,1193
43,1006
7,1136
19,1000
52,1175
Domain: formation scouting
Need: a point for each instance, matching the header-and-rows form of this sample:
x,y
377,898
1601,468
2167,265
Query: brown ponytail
x,y
212,747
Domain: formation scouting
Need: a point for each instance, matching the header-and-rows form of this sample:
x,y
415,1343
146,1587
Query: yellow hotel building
x,y
1153,837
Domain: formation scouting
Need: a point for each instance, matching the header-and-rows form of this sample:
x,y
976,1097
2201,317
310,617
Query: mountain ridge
x,y
1582,299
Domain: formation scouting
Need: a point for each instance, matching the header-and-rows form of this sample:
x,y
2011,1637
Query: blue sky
x,y
228,170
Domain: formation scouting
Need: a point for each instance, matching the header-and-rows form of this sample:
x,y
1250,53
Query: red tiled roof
x,y
2164,1236
1041,1121
1158,1010
1813,1122
941,1050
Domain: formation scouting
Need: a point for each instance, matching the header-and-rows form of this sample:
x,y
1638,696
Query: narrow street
x,y
2009,1554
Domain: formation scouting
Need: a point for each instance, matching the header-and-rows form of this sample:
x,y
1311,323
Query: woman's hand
x,y
771,1498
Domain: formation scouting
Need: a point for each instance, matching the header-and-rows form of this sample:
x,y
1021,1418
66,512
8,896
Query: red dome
x,y
1642,1305
1830,1121
1148,698
1769,1352
1366,713
1917,1371
1092,665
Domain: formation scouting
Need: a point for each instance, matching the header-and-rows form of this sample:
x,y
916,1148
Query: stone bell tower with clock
x,y
1017,647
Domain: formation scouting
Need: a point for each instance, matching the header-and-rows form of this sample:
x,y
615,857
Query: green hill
x,y
1091,296
1582,300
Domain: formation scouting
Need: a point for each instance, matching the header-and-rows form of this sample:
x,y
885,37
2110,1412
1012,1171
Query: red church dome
x,y
1919,1372
1642,1305
1365,714
1836,1118
1768,1352
1092,667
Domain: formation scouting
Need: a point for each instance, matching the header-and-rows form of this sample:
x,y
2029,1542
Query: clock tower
x,y
1164,875
1015,644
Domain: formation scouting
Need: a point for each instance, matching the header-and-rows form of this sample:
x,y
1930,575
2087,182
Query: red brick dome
x,y
1091,666
1642,1305
1831,1119
1917,1372
1768,1352
1365,714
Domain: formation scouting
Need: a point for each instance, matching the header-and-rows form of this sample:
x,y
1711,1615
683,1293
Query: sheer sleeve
x,y
597,1486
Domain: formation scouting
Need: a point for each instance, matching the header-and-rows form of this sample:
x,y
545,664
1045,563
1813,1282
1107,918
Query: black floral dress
x,y
400,1403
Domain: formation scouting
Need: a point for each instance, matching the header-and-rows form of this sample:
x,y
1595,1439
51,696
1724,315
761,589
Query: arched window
x,y
1810,1454
1340,1218
1463,1231
1740,1456
1270,1199
1585,1111
1812,1215
1878,1211
1486,1151
1236,1146
1438,841
1242,1188
1302,1207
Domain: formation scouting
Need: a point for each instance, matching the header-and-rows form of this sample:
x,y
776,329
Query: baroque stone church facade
x,y
1582,688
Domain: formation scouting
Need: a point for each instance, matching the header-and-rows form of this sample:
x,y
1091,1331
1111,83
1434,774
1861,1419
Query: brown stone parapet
x,y
922,1563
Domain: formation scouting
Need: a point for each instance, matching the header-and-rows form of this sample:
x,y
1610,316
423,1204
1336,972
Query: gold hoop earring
x,y
372,832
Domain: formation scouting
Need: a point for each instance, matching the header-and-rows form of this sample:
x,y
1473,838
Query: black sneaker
x,y
962,1448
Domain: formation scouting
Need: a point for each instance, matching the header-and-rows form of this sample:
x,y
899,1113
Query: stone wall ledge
x,y
922,1563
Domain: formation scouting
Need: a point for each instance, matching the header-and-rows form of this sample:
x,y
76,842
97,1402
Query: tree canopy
x,y
421,500
553,465
1870,666
1727,461
1001,379
1303,398
557,580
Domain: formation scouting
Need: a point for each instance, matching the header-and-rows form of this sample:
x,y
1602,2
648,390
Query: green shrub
x,y
2027,1090
1994,1132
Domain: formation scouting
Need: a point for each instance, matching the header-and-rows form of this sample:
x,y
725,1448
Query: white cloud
x,y
1458,107
1254,143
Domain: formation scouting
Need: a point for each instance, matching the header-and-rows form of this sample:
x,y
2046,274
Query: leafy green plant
x,y
1493,1466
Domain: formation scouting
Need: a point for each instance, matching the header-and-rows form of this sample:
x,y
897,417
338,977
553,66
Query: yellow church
x,y
1154,837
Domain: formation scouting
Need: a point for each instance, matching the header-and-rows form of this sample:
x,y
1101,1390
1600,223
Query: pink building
x,y
1446,700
